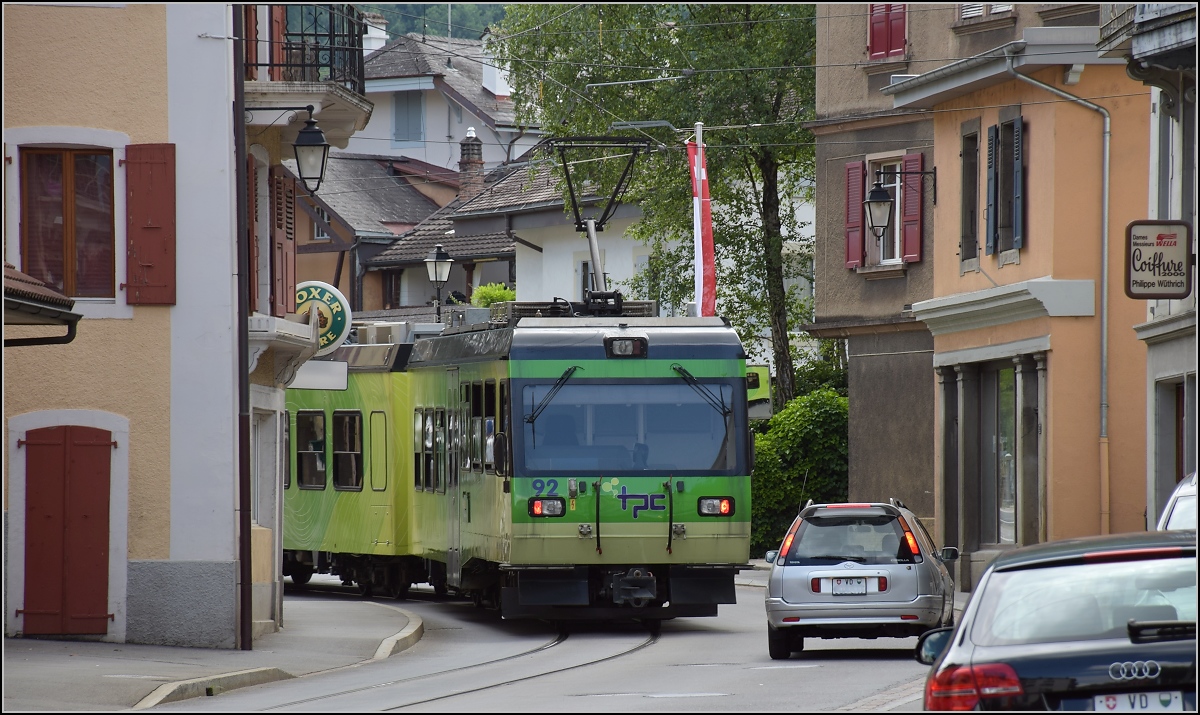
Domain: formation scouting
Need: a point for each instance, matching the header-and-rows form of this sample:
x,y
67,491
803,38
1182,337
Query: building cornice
x,y
862,326
1161,330
1037,298
892,117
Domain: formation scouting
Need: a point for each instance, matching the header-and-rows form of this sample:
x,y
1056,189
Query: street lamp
x,y
437,264
312,150
879,201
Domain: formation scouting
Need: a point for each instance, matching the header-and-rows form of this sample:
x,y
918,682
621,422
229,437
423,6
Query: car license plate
x,y
1140,702
849,586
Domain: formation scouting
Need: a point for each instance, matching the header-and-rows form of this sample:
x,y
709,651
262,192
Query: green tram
x,y
561,468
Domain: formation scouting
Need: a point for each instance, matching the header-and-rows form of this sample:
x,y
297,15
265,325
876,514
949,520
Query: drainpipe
x,y
1105,496
245,573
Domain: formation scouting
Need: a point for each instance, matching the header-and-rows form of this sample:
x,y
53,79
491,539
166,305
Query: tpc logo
x,y
647,501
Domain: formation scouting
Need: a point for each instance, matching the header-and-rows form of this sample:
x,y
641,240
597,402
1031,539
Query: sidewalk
x,y
87,675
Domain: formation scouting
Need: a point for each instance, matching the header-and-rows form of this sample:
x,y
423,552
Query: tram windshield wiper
x,y
717,403
558,384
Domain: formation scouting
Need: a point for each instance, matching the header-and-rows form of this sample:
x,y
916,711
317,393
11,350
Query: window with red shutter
x,y
886,31
251,42
283,243
855,175
912,198
150,206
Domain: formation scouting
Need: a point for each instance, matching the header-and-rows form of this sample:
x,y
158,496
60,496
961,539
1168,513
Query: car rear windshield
x,y
1087,601
863,539
1183,514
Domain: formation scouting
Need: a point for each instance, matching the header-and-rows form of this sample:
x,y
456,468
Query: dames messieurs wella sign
x,y
1158,259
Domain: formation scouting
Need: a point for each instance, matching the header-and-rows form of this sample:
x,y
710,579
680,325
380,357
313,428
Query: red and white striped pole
x,y
706,273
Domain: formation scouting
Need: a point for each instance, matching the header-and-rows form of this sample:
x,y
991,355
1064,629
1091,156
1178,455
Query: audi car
x,y
1099,623
859,570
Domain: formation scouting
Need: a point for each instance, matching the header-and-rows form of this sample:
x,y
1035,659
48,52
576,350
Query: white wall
x,y
203,321
555,271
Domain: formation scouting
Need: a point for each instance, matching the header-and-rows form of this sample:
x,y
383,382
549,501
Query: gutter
x,y
54,340
1003,52
1010,50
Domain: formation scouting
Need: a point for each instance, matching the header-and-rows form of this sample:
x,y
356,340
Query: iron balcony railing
x,y
1115,21
305,43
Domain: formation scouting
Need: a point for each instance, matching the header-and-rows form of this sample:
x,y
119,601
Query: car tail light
x,y
996,680
882,584
908,535
787,542
816,585
959,687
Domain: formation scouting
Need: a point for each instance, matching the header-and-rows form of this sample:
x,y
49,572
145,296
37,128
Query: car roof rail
x,y
897,503
810,503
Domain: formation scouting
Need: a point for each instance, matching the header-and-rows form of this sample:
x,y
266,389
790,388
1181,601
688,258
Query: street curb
x,y
404,639
216,684
210,685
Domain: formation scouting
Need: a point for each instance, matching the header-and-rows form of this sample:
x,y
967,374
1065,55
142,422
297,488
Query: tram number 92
x,y
549,485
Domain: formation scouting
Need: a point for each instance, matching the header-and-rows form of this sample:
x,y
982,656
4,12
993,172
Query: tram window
x,y
505,429
439,479
310,450
418,451
347,450
489,426
379,451
462,430
477,399
452,448
430,464
287,450
477,443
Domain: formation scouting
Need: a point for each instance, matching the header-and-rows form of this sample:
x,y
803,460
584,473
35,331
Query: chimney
x,y
376,34
470,166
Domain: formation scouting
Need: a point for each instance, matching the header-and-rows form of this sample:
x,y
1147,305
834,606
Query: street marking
x,y
889,699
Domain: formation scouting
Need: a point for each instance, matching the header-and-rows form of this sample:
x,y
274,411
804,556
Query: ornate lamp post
x,y
437,264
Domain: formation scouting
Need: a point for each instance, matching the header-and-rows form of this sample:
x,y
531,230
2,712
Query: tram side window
x,y
439,477
287,450
489,426
477,426
505,427
418,449
347,450
430,458
310,450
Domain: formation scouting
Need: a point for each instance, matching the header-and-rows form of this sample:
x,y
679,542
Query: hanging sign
x,y
333,313
1158,259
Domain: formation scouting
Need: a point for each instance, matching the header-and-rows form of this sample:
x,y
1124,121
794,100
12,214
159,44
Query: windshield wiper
x,y
717,403
558,384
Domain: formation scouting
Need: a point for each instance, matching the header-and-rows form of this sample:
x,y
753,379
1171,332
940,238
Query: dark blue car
x,y
1102,623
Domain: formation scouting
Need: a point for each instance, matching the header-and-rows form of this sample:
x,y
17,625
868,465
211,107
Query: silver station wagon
x,y
856,571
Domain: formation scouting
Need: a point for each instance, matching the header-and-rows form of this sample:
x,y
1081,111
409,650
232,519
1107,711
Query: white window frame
x,y
895,185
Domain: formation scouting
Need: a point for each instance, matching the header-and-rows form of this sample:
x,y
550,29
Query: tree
x,y
468,20
751,83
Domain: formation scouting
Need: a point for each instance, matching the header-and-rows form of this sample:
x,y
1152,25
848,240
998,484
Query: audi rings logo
x,y
1138,670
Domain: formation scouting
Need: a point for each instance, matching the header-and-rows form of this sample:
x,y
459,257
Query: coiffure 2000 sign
x,y
1158,259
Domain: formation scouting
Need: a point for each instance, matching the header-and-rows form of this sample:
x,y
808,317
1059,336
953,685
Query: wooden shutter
x,y
877,32
252,229
895,44
992,183
1018,169
150,209
278,31
912,207
250,40
855,175
283,243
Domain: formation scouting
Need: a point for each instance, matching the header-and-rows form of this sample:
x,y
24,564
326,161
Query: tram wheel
x,y
301,575
366,589
654,626
398,591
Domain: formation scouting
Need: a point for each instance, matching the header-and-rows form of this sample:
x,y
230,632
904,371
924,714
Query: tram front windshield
x,y
642,428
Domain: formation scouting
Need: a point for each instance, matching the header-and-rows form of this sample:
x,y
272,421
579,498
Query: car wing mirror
x,y
932,644
770,558
949,553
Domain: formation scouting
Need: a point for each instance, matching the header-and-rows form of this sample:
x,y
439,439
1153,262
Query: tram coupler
x,y
637,587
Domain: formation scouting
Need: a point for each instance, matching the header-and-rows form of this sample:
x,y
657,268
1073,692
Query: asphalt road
x,y
471,661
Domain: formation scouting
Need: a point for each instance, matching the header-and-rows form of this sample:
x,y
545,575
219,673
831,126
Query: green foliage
x,y
803,455
753,86
484,295
826,369
468,21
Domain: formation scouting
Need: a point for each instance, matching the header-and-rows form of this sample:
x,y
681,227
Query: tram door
x,y
453,497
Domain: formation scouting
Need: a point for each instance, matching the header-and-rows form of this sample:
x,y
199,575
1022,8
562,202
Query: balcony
x,y
1116,28
297,55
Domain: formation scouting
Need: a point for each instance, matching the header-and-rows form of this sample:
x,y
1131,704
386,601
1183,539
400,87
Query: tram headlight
x,y
547,506
626,347
715,506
